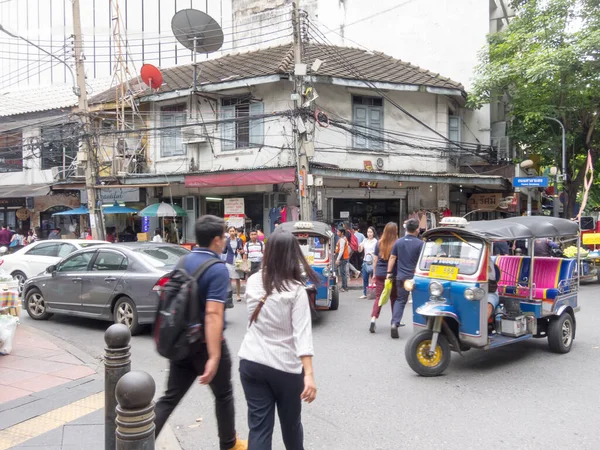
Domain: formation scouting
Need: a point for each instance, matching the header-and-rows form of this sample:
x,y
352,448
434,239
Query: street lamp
x,y
564,168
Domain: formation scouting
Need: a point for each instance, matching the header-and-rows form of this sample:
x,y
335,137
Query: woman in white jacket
x,y
276,354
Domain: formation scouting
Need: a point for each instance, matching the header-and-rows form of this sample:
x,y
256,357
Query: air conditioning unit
x,y
58,173
501,144
79,171
193,135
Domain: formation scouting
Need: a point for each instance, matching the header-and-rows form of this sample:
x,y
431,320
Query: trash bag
x,y
386,293
8,327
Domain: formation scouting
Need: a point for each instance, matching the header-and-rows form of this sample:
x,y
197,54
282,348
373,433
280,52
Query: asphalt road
x,y
520,396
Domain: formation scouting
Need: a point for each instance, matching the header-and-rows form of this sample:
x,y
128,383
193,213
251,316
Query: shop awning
x,y
242,178
32,190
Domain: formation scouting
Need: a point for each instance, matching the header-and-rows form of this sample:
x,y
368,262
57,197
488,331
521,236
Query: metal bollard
x,y
117,362
135,411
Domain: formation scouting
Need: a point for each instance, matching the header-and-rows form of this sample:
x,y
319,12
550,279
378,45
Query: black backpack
x,y
179,319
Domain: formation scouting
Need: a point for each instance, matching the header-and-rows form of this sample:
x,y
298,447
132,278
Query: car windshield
x,y
452,251
162,256
313,248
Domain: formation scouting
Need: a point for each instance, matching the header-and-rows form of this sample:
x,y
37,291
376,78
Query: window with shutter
x,y
454,125
58,141
368,117
173,117
245,131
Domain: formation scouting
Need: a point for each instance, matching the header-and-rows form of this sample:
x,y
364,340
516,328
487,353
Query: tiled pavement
x,y
52,398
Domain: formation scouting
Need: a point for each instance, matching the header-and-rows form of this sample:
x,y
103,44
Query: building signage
x,y
590,238
530,182
485,202
234,212
12,202
111,195
368,184
368,165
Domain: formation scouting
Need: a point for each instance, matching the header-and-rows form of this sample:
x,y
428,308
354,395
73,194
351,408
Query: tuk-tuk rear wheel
x,y
423,361
335,299
560,333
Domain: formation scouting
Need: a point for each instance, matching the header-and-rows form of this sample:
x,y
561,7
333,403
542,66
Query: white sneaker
x,y
362,296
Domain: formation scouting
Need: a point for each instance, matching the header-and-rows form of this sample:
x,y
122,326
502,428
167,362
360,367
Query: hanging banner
x,y
234,212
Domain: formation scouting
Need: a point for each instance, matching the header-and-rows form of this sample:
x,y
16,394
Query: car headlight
x,y
436,289
325,272
409,285
474,293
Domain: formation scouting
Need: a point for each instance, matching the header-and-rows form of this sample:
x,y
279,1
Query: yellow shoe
x,y
240,445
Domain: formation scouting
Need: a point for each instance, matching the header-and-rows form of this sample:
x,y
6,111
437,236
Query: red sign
x,y
368,165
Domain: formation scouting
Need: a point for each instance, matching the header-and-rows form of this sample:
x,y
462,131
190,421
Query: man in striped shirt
x,y
254,252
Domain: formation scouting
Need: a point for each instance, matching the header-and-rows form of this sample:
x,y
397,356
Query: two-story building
x,y
380,135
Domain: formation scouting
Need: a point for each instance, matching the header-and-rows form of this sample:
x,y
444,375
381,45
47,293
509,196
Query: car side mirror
x,y
51,270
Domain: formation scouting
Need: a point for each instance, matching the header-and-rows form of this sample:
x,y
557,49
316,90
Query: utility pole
x,y
564,171
85,154
300,138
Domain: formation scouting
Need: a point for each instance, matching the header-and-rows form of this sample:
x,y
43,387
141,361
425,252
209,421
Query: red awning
x,y
245,178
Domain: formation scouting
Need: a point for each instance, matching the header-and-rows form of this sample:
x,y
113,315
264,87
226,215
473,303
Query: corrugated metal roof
x,y
341,62
44,98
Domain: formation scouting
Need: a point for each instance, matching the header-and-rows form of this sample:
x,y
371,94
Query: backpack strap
x,y
194,305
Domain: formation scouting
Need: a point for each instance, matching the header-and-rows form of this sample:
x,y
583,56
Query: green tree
x,y
546,63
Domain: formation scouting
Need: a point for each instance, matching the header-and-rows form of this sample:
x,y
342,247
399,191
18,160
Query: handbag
x,y
245,266
14,243
238,262
371,292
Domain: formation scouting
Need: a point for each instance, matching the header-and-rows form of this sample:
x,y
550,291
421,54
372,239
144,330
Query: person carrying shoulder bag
x,y
276,354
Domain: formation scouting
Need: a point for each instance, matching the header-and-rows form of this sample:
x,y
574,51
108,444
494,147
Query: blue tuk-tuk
x,y
318,246
538,294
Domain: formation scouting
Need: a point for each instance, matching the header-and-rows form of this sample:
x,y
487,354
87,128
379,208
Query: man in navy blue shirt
x,y
406,252
210,361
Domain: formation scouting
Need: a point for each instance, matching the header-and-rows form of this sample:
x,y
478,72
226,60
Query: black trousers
x,y
183,374
254,267
266,388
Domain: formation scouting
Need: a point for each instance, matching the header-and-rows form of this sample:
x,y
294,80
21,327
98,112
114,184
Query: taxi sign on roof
x,y
303,225
454,221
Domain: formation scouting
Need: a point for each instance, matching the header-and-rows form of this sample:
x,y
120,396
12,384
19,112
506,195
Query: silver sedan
x,y
118,282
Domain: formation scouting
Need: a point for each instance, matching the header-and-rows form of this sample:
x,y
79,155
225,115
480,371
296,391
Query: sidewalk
x,y
52,396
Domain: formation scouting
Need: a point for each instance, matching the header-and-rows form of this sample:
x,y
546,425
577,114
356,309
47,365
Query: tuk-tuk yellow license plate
x,y
443,272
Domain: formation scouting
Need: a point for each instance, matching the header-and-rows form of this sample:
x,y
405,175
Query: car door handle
x,y
76,280
110,279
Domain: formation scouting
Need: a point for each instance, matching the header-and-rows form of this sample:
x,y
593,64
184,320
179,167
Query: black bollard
x,y
117,362
135,411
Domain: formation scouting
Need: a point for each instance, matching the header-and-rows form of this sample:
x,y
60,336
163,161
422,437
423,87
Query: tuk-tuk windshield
x,y
313,247
462,253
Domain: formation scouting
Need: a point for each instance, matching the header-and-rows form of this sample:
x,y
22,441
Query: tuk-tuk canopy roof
x,y
526,227
318,228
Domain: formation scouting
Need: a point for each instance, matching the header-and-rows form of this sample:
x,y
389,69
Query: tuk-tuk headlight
x,y
436,289
409,285
325,272
474,293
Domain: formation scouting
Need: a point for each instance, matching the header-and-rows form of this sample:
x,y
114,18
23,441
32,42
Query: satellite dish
x,y
197,31
151,76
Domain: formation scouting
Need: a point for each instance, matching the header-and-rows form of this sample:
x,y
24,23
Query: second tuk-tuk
x,y
317,243
537,294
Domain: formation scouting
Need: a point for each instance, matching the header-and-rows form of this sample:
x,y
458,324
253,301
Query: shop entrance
x,y
367,212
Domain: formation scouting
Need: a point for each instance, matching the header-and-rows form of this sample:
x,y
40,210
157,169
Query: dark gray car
x,y
118,282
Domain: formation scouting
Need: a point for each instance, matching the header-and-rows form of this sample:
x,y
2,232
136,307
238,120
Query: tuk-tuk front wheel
x,y
424,360
560,333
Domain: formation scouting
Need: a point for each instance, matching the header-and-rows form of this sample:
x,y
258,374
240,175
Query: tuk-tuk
x,y
318,246
538,295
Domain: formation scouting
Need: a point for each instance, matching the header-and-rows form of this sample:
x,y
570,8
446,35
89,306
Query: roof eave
x,y
213,87
384,85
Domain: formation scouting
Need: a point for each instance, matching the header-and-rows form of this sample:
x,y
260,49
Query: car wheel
x,y
21,278
36,305
560,333
126,313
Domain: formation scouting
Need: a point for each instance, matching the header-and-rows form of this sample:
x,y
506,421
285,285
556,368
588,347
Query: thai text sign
x,y
530,182
485,202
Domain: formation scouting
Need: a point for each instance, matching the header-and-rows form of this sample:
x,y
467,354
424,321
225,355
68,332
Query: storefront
x,y
125,196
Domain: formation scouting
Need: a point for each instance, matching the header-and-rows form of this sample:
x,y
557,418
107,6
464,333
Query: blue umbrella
x,y
82,210
118,209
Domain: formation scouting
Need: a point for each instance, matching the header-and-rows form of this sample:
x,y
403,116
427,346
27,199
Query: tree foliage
x,y
546,63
